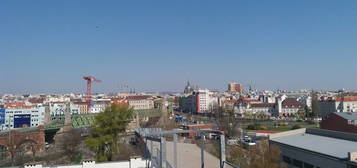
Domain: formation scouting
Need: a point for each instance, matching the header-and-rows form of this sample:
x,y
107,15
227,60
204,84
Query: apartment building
x,y
22,117
234,87
59,108
99,105
330,105
205,101
140,102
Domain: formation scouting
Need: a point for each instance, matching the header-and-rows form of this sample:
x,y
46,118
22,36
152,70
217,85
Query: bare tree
x,y
260,156
226,120
69,141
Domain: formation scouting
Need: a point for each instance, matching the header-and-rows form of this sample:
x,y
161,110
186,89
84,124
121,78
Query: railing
x,y
229,165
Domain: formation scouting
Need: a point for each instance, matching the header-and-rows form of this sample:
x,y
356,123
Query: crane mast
x,y
90,80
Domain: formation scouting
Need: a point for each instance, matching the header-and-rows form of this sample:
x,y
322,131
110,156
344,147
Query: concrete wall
x,y
133,163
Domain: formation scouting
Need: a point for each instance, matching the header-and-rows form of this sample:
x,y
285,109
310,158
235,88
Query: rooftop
x,y
348,115
323,144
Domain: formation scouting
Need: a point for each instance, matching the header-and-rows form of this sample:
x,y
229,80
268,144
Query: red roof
x,y
291,102
16,105
137,97
347,98
36,100
264,132
263,105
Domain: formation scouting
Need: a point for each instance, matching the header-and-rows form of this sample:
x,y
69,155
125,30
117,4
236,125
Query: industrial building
x,y
316,148
344,122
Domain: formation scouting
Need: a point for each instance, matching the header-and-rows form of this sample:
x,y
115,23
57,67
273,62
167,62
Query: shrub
x,y
263,128
296,127
253,126
283,124
311,122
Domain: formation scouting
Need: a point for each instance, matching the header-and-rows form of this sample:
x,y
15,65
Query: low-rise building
x,y
196,127
344,122
316,148
289,107
263,108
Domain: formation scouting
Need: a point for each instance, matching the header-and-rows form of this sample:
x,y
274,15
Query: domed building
x,y
188,89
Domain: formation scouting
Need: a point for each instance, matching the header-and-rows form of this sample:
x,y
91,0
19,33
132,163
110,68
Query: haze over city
x,y
47,46
178,84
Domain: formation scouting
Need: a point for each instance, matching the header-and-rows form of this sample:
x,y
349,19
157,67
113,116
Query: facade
x,y
187,104
263,108
343,122
235,88
59,108
98,107
201,101
330,105
228,104
204,101
23,117
289,107
316,148
82,107
140,102
245,106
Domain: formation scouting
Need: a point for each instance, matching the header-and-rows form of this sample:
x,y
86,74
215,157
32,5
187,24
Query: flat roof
x,y
347,115
335,147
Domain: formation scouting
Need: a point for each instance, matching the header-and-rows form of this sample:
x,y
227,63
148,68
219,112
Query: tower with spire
x,y
188,89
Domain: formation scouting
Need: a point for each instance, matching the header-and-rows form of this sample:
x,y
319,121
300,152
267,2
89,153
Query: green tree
x,y
315,105
108,127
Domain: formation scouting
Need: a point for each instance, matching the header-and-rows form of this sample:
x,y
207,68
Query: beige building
x,y
140,102
235,87
82,107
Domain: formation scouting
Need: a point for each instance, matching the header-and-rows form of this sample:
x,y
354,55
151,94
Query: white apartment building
x,y
52,99
98,107
60,108
23,117
205,100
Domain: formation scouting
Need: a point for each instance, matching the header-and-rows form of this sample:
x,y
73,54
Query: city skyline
x,y
46,47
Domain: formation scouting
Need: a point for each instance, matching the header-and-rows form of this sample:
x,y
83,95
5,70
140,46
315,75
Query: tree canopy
x,y
108,127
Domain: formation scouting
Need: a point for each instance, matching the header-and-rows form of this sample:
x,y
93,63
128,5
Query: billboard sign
x,y
22,120
2,116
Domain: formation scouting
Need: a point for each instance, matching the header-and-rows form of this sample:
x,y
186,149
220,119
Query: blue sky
x,y
157,45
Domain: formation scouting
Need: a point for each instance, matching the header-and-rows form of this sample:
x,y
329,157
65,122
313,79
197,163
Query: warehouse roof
x,y
330,146
348,115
